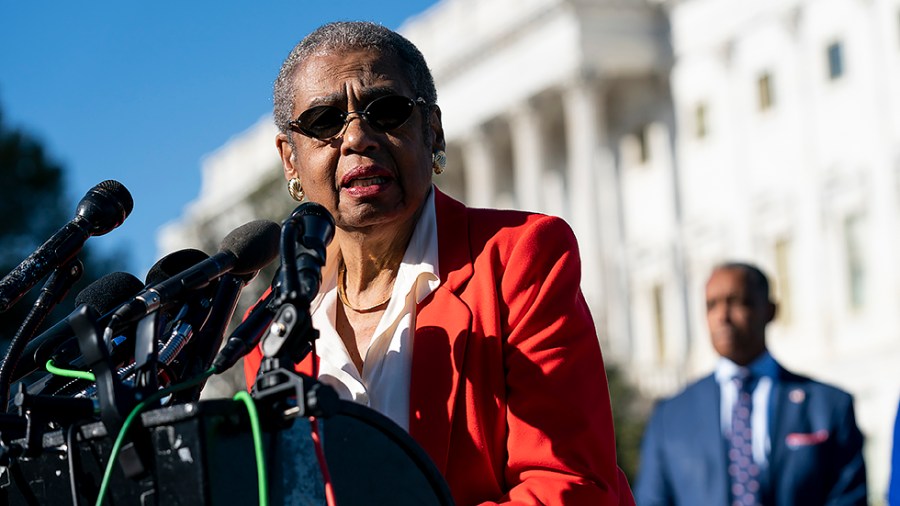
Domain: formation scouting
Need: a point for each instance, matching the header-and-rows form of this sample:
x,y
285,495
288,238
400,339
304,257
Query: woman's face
x,y
364,177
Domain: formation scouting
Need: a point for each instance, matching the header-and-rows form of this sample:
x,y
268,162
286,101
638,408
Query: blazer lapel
x,y
786,416
442,329
443,324
709,421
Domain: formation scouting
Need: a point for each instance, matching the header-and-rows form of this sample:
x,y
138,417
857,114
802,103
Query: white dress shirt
x,y
384,382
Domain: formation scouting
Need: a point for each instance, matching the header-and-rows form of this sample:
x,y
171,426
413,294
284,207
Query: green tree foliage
x,y
33,206
630,412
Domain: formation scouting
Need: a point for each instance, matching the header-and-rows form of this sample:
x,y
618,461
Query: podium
x,y
201,453
370,459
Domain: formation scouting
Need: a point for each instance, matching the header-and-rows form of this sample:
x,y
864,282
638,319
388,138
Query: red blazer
x,y
508,391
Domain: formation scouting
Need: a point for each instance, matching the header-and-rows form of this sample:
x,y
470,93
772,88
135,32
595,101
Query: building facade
x,y
671,135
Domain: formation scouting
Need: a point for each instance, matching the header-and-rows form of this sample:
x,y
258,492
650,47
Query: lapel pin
x,y
797,395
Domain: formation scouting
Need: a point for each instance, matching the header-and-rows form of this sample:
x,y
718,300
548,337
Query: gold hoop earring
x,y
439,161
295,189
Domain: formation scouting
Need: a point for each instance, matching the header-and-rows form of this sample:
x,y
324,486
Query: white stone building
x,y
672,136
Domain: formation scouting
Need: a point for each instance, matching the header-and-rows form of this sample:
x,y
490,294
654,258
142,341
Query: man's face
x,y
737,313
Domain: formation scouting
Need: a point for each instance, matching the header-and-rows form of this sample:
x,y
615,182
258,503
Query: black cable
x,y
70,455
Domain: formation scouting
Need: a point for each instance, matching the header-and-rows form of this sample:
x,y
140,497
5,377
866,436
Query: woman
x,y
464,326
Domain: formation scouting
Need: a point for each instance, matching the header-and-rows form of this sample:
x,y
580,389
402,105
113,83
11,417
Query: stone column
x,y
583,132
480,169
595,194
529,155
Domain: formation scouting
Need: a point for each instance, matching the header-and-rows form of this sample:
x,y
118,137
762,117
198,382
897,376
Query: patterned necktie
x,y
742,470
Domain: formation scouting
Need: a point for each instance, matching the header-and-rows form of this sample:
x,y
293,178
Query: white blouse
x,y
384,382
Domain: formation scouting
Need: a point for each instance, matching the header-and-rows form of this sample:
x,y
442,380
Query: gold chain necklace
x,y
342,293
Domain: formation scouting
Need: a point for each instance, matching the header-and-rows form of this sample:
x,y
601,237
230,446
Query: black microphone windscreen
x,y
105,206
109,291
117,192
255,244
317,221
312,209
172,264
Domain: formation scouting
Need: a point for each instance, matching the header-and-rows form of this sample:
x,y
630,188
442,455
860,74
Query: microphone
x,y
298,277
245,250
199,353
302,257
178,323
184,320
103,295
102,209
247,335
173,264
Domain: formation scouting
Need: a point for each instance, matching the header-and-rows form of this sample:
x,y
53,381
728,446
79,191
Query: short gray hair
x,y
345,35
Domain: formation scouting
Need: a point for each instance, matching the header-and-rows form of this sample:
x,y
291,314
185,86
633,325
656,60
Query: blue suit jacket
x,y
894,488
815,458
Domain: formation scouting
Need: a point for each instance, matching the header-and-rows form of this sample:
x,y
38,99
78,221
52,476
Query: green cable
x,y
245,397
107,474
69,373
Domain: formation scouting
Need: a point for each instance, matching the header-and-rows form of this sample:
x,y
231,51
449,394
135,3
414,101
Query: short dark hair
x,y
345,35
757,280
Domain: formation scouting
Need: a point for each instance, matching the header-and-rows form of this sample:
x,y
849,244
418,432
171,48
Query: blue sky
x,y
141,91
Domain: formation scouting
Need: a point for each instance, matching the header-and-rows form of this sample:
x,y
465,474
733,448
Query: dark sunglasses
x,y
325,122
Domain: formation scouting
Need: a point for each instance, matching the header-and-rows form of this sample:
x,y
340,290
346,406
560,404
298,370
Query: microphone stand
x,y
204,346
53,291
115,399
283,392
146,356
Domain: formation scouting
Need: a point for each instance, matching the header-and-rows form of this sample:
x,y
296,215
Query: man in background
x,y
751,432
894,487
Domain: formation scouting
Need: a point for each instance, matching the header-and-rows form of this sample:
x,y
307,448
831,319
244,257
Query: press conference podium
x,y
201,453
371,460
